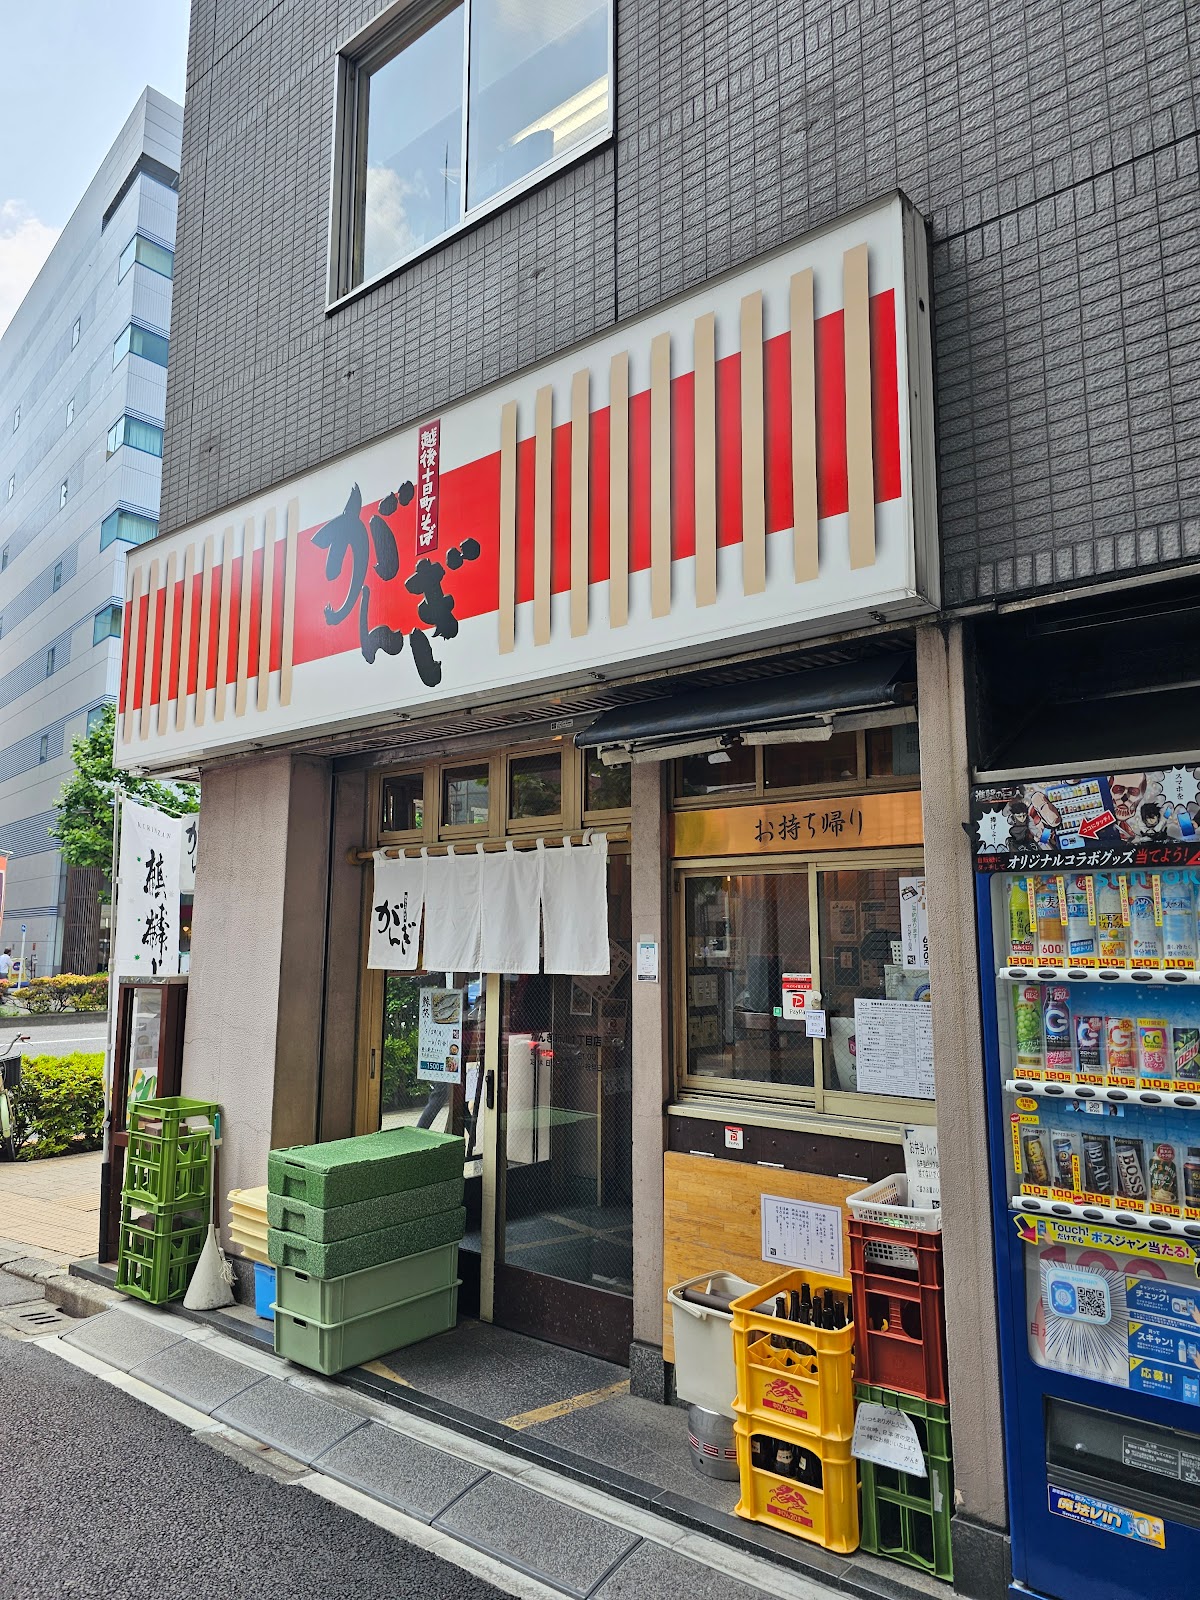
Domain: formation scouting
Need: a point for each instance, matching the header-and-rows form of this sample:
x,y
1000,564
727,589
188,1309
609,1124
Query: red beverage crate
x,y
899,1316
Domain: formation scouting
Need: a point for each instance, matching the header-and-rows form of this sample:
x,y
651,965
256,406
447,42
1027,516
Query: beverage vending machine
x,y
1088,893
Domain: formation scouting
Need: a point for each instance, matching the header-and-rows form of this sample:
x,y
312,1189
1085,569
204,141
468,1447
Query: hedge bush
x,y
58,1106
70,991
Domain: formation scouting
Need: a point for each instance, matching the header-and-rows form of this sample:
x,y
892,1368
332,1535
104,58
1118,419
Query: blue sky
x,y
70,73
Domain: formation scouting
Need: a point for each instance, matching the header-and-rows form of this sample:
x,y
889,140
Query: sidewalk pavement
x,y
52,1208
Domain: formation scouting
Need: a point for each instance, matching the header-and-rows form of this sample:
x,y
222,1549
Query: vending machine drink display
x,y
1088,902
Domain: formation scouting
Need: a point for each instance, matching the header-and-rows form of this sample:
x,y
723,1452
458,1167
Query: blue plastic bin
x,y
264,1291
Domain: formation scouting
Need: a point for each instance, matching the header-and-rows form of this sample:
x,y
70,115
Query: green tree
x,y
86,805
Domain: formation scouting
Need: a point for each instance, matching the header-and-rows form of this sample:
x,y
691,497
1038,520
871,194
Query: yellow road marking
x,y
382,1370
564,1408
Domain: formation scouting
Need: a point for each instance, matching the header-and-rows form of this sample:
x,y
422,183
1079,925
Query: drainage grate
x,y
34,1320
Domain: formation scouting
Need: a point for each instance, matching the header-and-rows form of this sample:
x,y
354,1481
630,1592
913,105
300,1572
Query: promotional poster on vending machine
x,y
1088,903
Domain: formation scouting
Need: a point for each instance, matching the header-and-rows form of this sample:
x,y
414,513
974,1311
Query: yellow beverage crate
x,y
811,1390
823,1508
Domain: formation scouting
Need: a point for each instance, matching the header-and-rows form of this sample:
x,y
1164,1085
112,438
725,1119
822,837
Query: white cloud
x,y
25,242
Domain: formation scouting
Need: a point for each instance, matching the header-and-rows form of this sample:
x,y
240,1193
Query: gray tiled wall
x,y
1053,148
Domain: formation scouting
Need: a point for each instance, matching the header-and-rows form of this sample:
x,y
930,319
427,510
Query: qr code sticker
x,y
1093,1302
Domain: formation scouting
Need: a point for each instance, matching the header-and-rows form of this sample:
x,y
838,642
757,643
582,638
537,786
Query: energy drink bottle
x,y
1020,925
1112,931
1027,1018
1056,1024
1050,937
1081,923
1087,1047
1178,921
1144,950
1185,1050
1118,1045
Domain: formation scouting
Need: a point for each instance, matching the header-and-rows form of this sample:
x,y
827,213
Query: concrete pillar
x,y
252,1039
650,850
970,1295
344,958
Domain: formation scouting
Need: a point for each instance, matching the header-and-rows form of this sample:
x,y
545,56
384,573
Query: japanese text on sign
x,y
429,459
801,1234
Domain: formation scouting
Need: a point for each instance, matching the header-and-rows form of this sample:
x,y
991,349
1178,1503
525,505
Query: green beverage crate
x,y
357,1294
364,1250
165,1116
166,1170
326,1225
327,1348
904,1518
157,1250
348,1170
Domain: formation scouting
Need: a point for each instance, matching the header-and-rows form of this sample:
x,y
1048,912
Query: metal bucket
x,y
712,1444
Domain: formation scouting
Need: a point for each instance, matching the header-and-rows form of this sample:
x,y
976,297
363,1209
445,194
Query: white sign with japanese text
x,y
147,944
801,1234
914,923
439,1036
797,992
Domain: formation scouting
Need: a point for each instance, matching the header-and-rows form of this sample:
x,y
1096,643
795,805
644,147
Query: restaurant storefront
x,y
662,593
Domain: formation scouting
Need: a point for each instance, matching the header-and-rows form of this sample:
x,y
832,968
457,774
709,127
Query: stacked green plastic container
x,y
364,1237
166,1197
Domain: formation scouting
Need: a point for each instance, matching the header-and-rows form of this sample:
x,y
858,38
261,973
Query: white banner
x,y
397,899
188,845
148,893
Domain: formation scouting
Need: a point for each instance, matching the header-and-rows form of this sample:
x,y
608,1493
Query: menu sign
x,y
439,1036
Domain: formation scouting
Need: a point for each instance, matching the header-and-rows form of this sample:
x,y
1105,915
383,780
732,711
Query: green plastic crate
x,y
165,1116
327,1224
156,1252
332,1348
357,1294
348,1170
364,1250
163,1170
904,1518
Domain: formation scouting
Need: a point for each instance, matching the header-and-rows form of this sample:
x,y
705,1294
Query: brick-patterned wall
x,y
1053,148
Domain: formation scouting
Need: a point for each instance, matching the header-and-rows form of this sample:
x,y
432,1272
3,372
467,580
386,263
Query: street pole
x,y
110,1062
21,973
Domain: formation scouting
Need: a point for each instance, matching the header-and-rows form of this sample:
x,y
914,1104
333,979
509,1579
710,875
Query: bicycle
x,y
10,1077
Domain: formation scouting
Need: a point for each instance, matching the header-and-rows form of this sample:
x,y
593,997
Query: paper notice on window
x,y
921,1166
914,923
802,1235
887,1438
893,1045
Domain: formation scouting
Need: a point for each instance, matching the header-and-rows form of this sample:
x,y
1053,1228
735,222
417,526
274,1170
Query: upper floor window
x,y
12,486
107,624
95,716
63,491
43,749
442,122
70,411
138,341
138,435
155,256
50,654
56,581
127,527
4,559
75,333
16,418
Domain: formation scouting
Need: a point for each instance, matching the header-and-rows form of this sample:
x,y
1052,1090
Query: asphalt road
x,y
100,1496
62,1037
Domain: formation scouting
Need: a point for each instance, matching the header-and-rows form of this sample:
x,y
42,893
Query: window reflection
x,y
412,189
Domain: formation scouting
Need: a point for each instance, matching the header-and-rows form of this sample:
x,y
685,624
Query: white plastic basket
x,y
704,1370
886,1202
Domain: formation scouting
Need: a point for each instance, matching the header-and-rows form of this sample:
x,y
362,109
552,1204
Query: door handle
x,y
489,1080
372,1064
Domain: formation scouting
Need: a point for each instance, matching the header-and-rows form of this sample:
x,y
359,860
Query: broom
x,y
212,1281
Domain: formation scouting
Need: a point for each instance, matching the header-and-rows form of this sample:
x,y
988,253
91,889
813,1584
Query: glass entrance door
x,y
534,1072
564,1229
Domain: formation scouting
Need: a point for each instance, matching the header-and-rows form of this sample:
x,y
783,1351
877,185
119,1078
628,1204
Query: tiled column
x,y
970,1293
651,1075
252,1039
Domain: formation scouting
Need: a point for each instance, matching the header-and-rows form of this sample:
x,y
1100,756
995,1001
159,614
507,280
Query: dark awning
x,y
867,685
